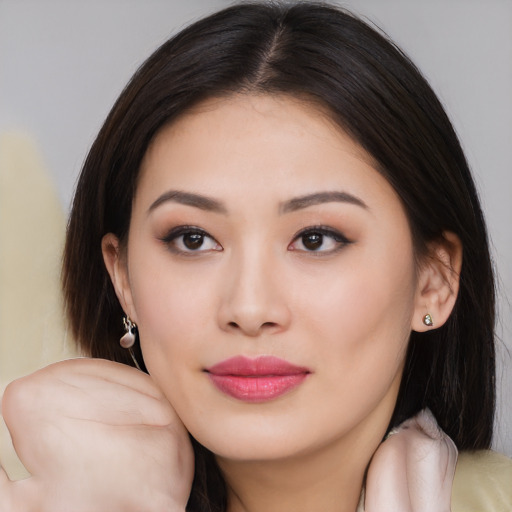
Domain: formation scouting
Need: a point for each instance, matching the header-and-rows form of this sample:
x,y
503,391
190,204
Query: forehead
x,y
277,145
297,118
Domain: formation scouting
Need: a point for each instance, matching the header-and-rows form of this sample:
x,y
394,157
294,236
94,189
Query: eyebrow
x,y
187,198
298,203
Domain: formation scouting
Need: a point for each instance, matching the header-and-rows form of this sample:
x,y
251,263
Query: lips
x,y
256,380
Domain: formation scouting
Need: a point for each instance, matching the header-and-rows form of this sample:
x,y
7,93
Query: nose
x,y
253,297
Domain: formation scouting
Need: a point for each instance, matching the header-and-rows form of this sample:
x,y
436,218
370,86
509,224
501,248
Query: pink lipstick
x,y
256,380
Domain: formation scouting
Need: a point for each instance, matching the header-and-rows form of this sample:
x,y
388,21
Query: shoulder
x,y
482,483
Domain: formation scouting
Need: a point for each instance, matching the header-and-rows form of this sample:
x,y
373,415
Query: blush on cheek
x,y
369,328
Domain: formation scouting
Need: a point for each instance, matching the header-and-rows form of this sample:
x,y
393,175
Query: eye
x,y
189,239
318,239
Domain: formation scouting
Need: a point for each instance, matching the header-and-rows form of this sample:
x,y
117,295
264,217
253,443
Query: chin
x,y
262,450
258,438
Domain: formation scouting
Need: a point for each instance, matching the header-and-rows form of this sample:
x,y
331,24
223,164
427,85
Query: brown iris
x,y
193,241
312,241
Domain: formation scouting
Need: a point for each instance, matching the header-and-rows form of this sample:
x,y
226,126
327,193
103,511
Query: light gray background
x,y
63,63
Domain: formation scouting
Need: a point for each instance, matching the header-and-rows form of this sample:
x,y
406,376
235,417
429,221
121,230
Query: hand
x,y
96,436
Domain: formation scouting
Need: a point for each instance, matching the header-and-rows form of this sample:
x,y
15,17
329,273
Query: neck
x,y
328,479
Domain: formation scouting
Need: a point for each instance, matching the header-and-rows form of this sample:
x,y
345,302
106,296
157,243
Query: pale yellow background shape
x,y
32,228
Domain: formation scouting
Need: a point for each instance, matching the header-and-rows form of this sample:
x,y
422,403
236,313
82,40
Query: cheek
x,y
366,296
174,311
364,317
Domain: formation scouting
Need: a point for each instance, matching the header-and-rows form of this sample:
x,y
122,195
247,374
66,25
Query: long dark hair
x,y
370,88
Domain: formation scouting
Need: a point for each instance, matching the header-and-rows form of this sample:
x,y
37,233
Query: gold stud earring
x,y
427,320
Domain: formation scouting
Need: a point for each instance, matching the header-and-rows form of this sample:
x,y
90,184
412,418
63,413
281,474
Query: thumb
x,y
16,496
4,479
6,504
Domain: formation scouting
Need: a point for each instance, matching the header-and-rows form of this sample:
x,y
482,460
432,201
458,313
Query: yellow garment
x,y
32,228
482,483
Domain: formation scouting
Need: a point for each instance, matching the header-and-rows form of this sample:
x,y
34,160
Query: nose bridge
x,y
254,300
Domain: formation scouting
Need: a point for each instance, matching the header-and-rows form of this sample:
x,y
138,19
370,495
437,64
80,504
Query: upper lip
x,y
256,367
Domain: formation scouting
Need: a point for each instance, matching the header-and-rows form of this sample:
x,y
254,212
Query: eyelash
x,y
323,231
179,231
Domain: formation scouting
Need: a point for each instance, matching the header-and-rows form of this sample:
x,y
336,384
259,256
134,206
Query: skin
x,y
91,433
100,436
344,310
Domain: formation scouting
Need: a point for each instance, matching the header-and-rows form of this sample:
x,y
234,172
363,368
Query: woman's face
x,y
270,270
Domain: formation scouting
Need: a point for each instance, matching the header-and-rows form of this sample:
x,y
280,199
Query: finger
x,y
5,501
4,479
109,371
46,415
113,389
16,496
85,390
112,403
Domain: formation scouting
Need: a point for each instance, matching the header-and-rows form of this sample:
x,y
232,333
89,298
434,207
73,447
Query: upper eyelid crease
x,y
338,237
335,235
178,232
323,230
183,230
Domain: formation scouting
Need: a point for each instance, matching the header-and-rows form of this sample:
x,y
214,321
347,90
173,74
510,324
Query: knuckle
x,y
20,400
13,399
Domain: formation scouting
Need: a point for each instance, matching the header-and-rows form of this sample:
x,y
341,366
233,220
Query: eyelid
x,y
178,231
324,230
328,231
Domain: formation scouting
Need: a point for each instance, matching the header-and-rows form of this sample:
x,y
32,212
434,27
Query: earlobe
x,y
116,267
438,283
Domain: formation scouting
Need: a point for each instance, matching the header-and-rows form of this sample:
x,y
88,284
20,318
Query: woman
x,y
278,223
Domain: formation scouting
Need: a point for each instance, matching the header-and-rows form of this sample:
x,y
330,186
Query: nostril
x,y
265,325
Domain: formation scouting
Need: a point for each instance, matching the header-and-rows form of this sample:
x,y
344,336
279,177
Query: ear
x,y
115,261
438,282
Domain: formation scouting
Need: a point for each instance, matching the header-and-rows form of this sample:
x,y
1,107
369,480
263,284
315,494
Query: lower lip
x,y
257,388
